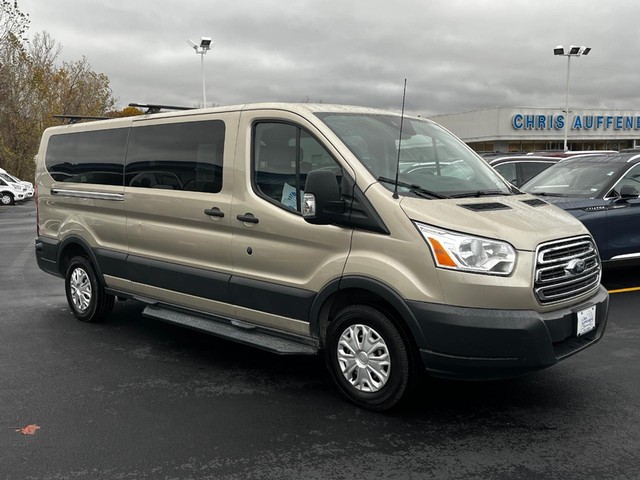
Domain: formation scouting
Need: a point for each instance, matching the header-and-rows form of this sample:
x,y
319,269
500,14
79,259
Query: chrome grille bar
x,y
566,269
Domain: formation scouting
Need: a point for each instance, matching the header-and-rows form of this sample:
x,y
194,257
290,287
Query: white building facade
x,y
534,129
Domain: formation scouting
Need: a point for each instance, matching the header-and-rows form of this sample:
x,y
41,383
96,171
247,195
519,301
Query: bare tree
x,y
33,87
13,23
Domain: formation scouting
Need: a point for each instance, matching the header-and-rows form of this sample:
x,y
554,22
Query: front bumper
x,y
468,343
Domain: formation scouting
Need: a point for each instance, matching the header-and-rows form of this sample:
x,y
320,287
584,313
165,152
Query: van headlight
x,y
458,251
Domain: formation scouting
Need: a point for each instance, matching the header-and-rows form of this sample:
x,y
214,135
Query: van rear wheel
x,y
86,296
368,358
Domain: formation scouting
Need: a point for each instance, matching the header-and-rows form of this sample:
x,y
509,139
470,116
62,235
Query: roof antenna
x,y
404,93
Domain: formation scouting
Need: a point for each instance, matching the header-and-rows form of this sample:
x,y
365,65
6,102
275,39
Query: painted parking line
x,y
623,290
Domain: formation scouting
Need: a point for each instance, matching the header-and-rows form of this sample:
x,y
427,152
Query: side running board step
x,y
239,333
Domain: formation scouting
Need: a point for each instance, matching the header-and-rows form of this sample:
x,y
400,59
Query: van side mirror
x,y
322,203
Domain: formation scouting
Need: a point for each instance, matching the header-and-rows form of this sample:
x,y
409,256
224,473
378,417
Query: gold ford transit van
x,y
307,228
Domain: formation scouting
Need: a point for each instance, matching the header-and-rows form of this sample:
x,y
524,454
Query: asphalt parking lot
x,y
134,399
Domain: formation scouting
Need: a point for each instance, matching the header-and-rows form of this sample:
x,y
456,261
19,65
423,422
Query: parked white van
x,y
284,226
26,187
10,192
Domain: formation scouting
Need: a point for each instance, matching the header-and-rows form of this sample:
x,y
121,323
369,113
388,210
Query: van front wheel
x,y
368,358
6,198
86,296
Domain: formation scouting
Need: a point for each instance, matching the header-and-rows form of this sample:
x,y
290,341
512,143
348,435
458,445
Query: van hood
x,y
524,221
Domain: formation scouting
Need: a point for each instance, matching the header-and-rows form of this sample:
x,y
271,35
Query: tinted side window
x,y
508,171
177,156
283,155
88,157
530,170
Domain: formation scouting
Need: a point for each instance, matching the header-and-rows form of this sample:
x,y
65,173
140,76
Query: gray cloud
x,y
457,55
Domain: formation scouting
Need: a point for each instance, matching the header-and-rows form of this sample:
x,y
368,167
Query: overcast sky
x,y
457,55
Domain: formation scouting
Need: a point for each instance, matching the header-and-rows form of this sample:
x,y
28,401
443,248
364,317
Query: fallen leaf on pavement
x,y
28,430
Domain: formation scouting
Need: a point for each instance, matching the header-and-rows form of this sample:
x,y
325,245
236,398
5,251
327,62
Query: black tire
x,y
368,380
85,294
6,198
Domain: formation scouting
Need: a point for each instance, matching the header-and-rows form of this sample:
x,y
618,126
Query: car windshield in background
x,y
430,157
575,178
7,178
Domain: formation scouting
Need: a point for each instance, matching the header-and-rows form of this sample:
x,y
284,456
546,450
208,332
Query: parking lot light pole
x,y
573,51
202,49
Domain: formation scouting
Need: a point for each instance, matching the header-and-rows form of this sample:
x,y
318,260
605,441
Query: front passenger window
x,y
631,180
283,155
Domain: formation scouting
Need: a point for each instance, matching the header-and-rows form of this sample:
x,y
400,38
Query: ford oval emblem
x,y
575,266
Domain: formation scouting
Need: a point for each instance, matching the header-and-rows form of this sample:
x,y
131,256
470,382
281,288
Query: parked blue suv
x,y
603,192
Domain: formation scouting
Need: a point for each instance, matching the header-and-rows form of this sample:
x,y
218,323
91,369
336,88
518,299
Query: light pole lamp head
x,y
574,50
205,43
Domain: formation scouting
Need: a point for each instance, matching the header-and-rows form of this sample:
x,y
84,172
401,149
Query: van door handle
x,y
247,218
214,212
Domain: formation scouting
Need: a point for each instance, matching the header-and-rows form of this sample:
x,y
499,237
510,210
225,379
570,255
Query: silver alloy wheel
x,y
364,358
6,199
80,289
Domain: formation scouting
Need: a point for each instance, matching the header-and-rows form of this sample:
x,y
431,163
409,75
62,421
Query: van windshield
x,y
431,158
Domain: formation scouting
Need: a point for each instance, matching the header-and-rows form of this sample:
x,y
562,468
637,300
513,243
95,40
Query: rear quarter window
x,y
88,157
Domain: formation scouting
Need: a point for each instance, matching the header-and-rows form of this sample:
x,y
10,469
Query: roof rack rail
x,y
78,118
156,108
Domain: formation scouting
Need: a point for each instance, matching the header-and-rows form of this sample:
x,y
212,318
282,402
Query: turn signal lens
x,y
442,257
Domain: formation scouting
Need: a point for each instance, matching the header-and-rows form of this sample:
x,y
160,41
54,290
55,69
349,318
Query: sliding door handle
x,y
214,212
247,218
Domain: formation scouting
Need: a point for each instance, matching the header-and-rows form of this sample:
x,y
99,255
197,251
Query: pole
x,y
204,90
566,120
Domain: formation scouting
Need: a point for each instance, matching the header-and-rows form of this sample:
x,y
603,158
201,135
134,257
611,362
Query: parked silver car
x,y
519,169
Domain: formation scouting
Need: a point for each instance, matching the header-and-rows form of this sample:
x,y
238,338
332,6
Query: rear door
x,y
281,261
178,188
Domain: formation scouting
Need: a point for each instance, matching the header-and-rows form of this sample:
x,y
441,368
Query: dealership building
x,y
527,129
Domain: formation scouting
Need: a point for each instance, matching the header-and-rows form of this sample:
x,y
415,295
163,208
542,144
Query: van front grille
x,y
566,269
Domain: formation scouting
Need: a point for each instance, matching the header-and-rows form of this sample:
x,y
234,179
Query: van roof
x,y
295,107
299,108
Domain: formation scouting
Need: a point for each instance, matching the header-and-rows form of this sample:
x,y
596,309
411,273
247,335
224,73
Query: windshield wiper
x,y
413,188
481,193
